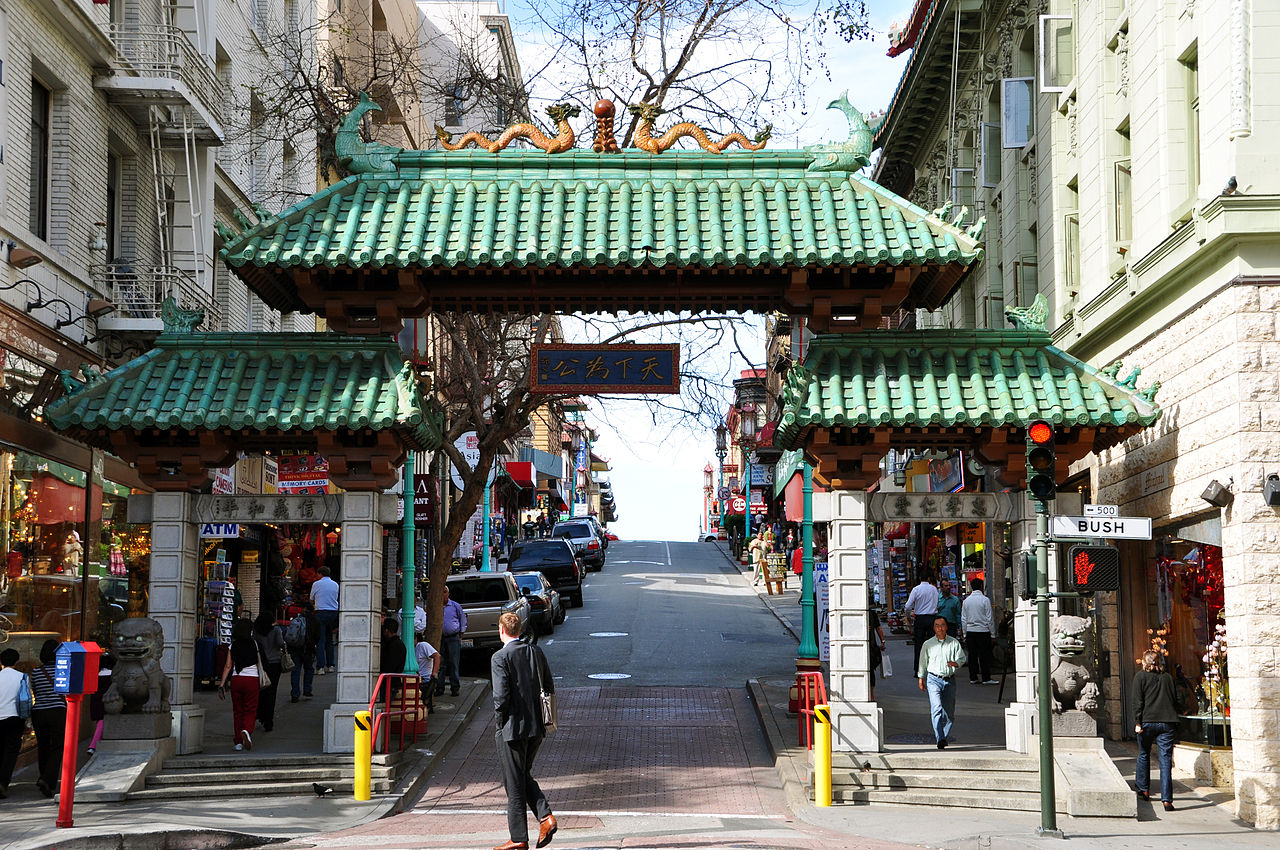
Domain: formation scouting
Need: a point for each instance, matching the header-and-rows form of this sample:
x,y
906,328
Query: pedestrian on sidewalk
x,y
428,667
324,593
520,672
48,719
304,631
98,710
271,643
240,674
949,607
940,658
453,627
11,724
876,636
756,550
977,620
922,605
1154,697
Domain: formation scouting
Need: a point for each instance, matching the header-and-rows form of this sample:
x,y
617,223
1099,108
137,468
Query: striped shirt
x,y
42,693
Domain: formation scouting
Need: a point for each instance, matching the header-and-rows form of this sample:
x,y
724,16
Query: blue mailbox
x,y
76,669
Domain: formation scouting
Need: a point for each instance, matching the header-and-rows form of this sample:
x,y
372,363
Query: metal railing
x,y
138,291
403,709
165,52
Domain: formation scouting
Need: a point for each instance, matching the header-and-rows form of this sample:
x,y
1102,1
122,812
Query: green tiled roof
x,y
516,209
254,382
946,378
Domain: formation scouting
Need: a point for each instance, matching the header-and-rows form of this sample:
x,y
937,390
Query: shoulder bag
x,y
24,697
264,678
546,701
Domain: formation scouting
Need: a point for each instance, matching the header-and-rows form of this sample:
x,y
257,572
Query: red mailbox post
x,y
75,674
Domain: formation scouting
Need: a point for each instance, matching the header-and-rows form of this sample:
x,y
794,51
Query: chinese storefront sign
x,y
604,369
260,509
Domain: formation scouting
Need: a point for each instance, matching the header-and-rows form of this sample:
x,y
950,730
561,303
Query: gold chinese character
x,y
650,370
596,367
623,363
564,370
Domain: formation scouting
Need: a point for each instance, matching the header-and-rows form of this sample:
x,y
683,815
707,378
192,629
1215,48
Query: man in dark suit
x,y
519,671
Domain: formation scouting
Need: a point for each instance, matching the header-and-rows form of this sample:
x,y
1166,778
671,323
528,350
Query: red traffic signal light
x,y
1040,433
1041,462
1094,568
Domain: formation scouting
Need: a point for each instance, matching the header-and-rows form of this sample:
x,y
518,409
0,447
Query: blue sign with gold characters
x,y
605,369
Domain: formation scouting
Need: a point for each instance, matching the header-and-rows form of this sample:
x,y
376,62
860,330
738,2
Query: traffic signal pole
x,y
1048,795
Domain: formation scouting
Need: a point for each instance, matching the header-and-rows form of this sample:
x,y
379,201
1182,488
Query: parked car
x,y
546,606
587,545
485,597
600,532
708,537
555,559
609,535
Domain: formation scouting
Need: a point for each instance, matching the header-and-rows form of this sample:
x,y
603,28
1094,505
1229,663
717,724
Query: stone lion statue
x,y
1072,683
138,685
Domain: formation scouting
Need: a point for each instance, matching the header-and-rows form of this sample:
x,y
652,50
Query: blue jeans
x,y
1162,734
451,650
942,703
325,656
301,661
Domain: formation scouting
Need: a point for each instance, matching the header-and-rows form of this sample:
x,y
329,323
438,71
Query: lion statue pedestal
x,y
1074,693
137,701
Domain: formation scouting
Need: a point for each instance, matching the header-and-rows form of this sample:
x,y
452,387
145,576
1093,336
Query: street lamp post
x,y
722,449
747,439
706,496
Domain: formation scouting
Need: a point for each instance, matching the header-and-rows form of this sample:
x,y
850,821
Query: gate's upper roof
x,y
470,225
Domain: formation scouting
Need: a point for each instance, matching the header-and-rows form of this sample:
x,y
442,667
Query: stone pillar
x,y
359,618
857,721
175,574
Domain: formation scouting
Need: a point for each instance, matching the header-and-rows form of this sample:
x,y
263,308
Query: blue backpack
x,y
24,698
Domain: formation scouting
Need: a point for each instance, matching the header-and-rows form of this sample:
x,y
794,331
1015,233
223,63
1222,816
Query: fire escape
x,y
163,81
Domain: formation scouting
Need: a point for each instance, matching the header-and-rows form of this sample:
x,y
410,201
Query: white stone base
x,y
121,766
857,726
1020,727
339,726
1086,782
188,729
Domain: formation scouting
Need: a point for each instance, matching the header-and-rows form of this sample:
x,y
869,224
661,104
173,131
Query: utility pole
x,y
1042,487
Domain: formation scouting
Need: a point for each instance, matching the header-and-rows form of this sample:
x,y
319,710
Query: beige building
x,y
1124,158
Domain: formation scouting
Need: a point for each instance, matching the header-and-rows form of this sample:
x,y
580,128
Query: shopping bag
x,y
886,666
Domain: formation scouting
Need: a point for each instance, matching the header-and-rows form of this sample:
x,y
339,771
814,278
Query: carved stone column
x,y
858,723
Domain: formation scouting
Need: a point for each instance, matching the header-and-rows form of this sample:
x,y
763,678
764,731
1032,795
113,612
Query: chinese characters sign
x,y
605,369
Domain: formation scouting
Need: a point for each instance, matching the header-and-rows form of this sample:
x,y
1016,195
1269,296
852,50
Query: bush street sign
x,y
1121,528
605,369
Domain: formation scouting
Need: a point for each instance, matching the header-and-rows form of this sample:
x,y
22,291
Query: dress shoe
x,y
942,745
453,693
1144,795
1168,806
546,828
513,845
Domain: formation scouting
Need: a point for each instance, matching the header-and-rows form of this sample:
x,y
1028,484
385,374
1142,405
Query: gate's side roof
x,y
969,379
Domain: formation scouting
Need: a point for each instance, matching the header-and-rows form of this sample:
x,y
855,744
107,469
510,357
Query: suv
x,y
587,545
555,559
485,597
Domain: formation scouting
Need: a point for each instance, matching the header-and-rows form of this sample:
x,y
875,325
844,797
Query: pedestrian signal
x,y
1094,568
1041,462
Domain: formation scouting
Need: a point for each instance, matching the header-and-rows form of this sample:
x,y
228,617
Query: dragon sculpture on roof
x,y
560,113
649,112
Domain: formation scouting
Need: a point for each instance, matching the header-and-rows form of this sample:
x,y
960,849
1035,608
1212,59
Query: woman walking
x,y
12,723
271,643
241,673
48,719
1155,713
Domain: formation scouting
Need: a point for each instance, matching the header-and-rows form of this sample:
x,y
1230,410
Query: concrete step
x,y
270,789
256,775
942,782
1003,800
938,760
266,761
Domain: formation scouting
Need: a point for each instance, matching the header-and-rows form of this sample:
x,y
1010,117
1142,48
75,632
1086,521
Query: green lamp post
x,y
722,449
808,650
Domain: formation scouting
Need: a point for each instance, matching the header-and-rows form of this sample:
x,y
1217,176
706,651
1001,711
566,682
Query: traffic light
x,y
1094,568
1041,462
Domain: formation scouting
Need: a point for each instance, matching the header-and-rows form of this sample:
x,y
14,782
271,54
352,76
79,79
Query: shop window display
x,y
45,545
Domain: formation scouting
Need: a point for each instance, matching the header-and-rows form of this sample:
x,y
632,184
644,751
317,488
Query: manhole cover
x,y
609,676
608,634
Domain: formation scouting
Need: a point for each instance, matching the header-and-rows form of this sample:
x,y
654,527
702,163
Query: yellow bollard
x,y
364,755
822,755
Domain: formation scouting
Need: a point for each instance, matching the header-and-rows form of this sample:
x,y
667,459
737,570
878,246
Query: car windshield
x,y
540,552
574,530
530,582
478,590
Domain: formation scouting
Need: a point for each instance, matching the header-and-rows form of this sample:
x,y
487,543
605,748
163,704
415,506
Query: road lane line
x,y
668,545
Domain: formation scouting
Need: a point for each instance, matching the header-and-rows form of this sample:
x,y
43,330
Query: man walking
x,y
922,604
454,625
949,607
324,593
978,627
940,658
519,672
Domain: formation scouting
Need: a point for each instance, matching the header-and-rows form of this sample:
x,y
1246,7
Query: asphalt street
x,y
658,746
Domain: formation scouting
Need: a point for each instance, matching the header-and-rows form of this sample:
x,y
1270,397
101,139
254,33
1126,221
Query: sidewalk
x,y
227,822
1204,816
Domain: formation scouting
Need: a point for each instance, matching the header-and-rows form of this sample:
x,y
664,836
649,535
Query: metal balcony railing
x,y
138,291
165,52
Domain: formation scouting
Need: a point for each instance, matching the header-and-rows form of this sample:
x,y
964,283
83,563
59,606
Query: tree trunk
x,y
441,565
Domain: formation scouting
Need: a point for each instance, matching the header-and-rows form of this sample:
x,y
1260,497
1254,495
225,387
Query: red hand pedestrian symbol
x,y
1084,568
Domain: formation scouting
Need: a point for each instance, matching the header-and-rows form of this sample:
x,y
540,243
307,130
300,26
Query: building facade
x,y
1123,157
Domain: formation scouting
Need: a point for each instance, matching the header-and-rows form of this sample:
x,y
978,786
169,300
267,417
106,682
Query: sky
x,y
657,471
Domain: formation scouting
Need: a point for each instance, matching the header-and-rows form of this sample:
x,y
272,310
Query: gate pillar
x,y
359,618
857,722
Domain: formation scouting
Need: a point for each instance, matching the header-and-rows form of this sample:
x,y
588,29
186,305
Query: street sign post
x,y
1119,528
738,505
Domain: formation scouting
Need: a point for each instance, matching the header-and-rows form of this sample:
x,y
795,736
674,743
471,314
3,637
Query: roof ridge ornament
x,y
177,320
358,156
855,153
649,112
1033,318
564,139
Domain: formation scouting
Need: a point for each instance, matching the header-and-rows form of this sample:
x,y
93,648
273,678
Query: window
x,y
1057,52
963,193
453,107
113,207
1192,69
1017,111
991,153
38,215
1123,188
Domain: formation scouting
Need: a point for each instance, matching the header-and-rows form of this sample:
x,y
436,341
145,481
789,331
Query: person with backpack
x,y
300,639
15,708
272,646
48,719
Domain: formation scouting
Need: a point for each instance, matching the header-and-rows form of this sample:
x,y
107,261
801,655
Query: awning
x,y
794,505
558,501
521,473
547,465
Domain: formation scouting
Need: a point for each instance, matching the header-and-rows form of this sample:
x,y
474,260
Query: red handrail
x,y
410,711
812,692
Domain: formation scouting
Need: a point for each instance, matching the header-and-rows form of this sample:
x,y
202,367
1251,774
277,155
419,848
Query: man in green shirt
x,y
949,607
940,658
